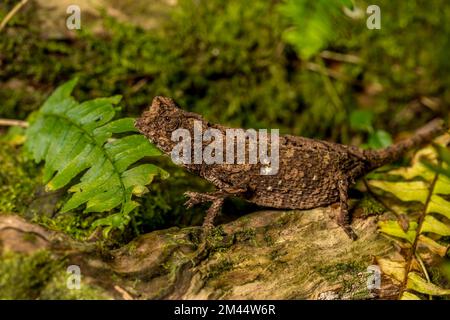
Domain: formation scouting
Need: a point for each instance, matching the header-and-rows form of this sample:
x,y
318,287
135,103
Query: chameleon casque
x,y
312,173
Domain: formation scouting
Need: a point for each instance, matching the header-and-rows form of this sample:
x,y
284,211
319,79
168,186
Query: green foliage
x,y
379,139
362,120
75,139
428,230
315,24
230,62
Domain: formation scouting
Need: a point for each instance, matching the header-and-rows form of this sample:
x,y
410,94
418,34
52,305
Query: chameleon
x,y
312,173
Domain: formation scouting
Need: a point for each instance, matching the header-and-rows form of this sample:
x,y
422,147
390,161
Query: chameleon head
x,y
159,121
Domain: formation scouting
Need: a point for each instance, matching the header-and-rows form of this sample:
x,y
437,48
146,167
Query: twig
x,y
412,253
327,72
12,13
424,270
13,122
340,57
125,295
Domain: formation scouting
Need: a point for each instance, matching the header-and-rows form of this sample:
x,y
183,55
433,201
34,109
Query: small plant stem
x,y
11,14
412,252
327,72
340,57
13,122
425,272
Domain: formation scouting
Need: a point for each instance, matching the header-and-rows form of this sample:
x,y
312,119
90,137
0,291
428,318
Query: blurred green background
x,y
310,68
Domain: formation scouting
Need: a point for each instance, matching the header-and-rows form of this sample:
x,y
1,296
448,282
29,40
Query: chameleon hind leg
x,y
343,218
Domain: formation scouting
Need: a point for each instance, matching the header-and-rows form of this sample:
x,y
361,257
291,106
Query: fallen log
x,y
264,255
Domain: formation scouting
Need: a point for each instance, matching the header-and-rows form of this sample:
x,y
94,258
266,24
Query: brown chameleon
x,y
312,173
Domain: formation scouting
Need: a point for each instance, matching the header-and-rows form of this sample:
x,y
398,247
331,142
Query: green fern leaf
x,y
419,284
409,296
431,224
74,139
426,181
394,269
404,190
415,190
433,246
392,228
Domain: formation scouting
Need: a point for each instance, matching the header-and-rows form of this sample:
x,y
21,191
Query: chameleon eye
x,y
171,123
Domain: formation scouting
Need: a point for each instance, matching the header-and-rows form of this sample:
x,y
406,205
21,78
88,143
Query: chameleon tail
x,y
422,136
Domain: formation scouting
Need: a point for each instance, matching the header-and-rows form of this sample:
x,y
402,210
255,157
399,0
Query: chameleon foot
x,y
349,231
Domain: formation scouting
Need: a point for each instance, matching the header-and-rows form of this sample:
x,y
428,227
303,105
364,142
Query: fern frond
x,y
424,181
74,139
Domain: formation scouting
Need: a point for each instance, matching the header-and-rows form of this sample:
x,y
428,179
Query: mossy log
x,y
264,255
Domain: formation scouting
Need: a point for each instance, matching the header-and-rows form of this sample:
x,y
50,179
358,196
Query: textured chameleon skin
x,y
312,173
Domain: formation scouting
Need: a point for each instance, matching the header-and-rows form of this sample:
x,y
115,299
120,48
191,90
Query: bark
x,y
264,255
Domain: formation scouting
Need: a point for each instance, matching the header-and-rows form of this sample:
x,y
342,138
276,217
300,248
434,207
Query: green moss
x,y
39,276
217,269
219,240
351,275
30,237
18,178
23,277
269,240
246,234
22,192
56,289
334,271
370,206
229,61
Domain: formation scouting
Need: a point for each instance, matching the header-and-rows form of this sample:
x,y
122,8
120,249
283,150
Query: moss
x,y
218,268
131,248
370,206
23,277
351,275
56,289
246,234
18,178
269,240
231,55
39,276
334,271
29,237
219,240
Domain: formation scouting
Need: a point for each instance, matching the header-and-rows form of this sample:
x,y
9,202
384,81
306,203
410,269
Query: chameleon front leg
x,y
217,198
343,218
